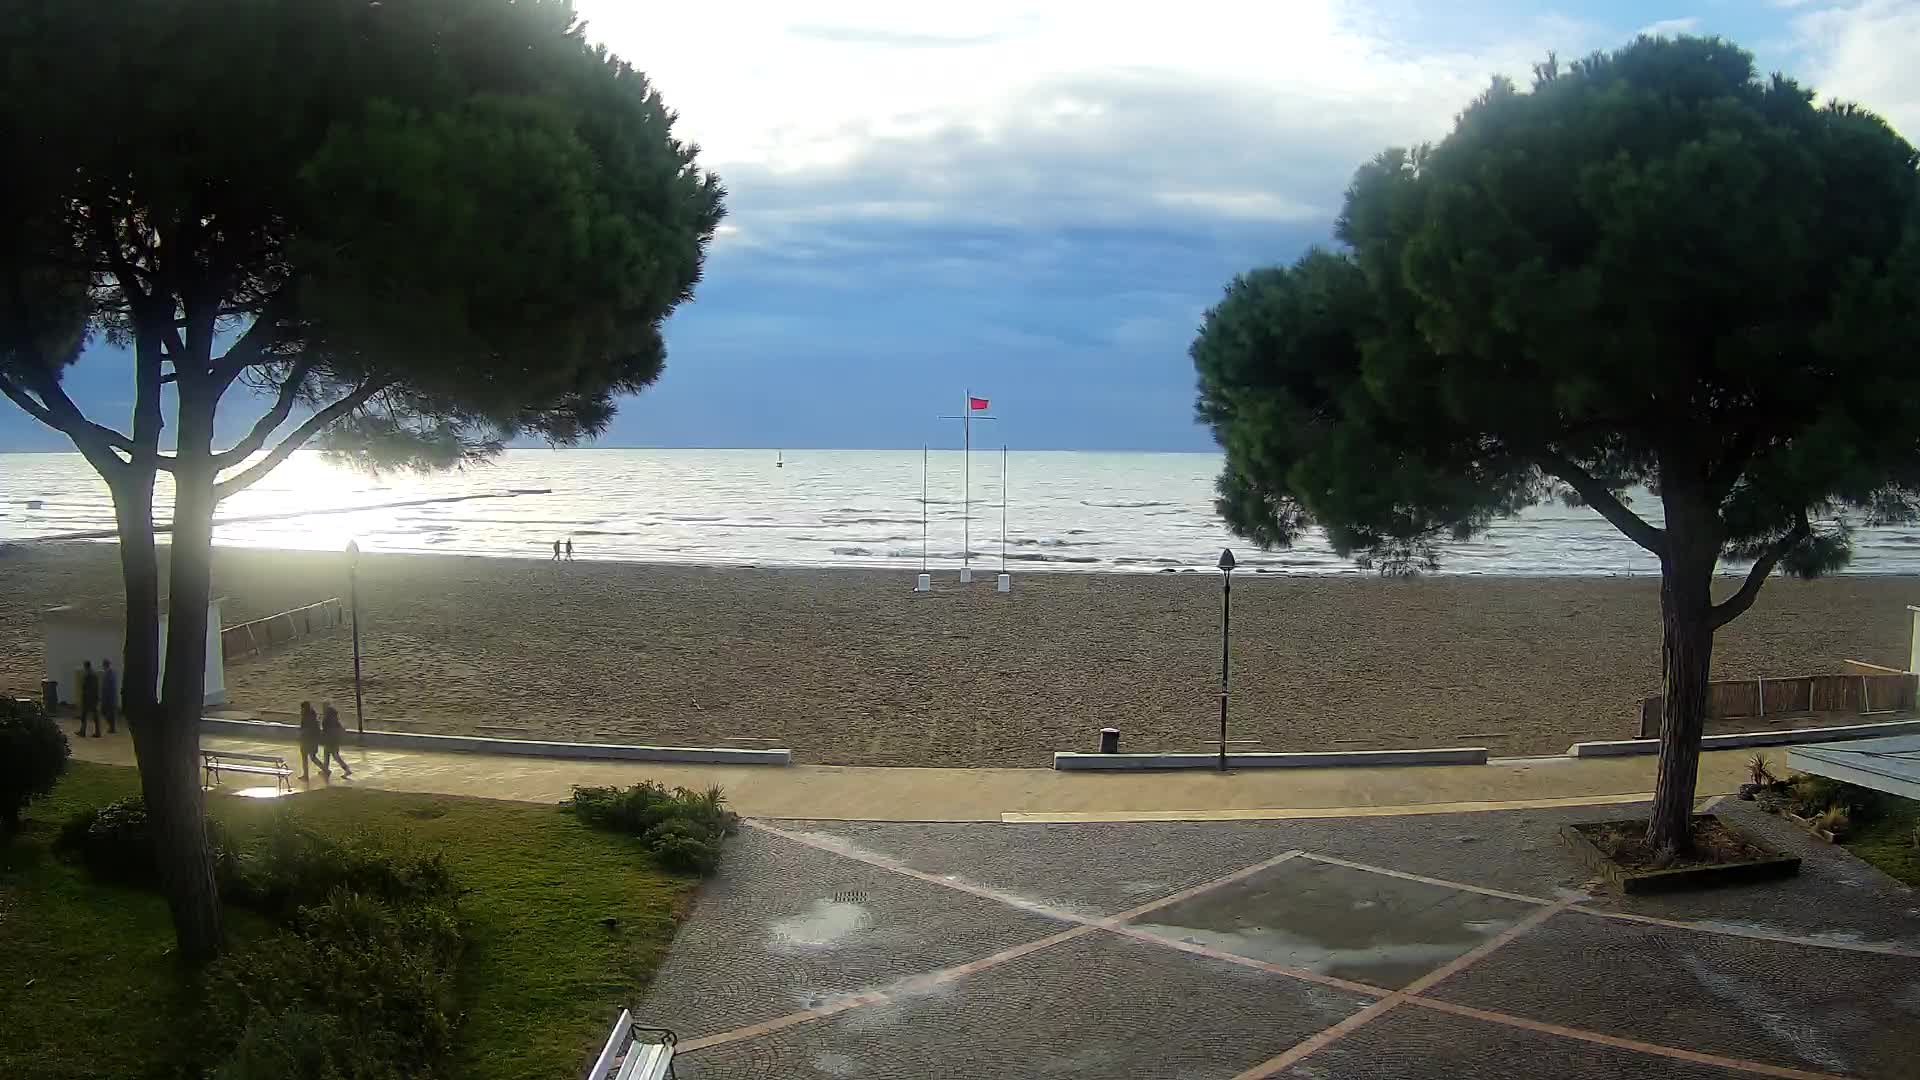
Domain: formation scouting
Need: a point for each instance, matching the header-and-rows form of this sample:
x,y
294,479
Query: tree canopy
x,y
1653,269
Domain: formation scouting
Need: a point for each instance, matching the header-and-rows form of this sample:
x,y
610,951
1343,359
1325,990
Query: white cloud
x,y
1071,111
1671,27
1864,52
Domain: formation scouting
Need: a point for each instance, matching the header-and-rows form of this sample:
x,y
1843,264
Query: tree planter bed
x,y
1755,861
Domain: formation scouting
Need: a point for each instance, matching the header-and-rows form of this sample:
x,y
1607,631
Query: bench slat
x,y
263,770
646,1061
616,1040
235,755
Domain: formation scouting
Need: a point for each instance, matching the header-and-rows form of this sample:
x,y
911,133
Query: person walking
x,y
569,549
331,732
556,551
310,742
110,696
89,698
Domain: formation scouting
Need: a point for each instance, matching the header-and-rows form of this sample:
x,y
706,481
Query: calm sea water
x,y
1063,511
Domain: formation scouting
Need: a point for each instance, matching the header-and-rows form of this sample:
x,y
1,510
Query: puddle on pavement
x,y
1345,923
824,925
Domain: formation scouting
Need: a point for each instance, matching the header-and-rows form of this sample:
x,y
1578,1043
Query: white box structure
x,y
72,634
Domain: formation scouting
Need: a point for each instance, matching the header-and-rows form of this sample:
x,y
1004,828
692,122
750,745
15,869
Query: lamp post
x,y
1226,612
353,593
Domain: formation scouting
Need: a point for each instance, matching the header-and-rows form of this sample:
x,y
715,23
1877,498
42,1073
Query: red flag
x,y
977,403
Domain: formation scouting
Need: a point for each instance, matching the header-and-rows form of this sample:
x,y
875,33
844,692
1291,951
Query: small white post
x,y
1913,641
923,583
1006,583
966,575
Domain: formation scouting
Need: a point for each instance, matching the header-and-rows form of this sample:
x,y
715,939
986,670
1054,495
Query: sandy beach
x,y
850,667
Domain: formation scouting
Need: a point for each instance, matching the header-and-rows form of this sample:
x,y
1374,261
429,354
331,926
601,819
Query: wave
x,y
850,551
1124,505
1034,556
1027,541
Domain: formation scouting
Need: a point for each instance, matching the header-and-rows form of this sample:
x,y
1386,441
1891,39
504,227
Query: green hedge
x,y
680,828
33,754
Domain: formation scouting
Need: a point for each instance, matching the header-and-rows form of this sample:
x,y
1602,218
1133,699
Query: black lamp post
x,y
1226,612
353,592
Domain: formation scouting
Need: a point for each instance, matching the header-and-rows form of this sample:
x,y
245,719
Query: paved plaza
x,y
1430,946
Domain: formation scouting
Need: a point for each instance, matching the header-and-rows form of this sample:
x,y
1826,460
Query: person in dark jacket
x,y
110,696
310,741
331,732
89,698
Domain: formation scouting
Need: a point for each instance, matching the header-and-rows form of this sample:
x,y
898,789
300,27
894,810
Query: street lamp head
x,y
353,550
1226,560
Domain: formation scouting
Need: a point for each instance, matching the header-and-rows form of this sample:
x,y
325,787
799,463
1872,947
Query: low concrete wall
x,y
1331,759
473,744
1738,739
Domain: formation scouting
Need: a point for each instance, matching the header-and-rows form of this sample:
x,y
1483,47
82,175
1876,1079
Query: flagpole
x,y
966,486
1003,508
923,509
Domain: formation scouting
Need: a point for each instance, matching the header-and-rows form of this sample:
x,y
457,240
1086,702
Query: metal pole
x,y
1226,613
923,509
353,586
1003,507
966,482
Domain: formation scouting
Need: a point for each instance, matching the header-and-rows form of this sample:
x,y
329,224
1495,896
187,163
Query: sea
x,y
1055,511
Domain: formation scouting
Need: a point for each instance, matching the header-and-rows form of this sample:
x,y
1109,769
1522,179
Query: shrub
x,y
680,828
294,867
33,754
367,987
115,842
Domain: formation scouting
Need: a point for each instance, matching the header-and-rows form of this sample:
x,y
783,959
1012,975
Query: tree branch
x,y
58,412
252,347
1610,507
268,424
315,424
1731,608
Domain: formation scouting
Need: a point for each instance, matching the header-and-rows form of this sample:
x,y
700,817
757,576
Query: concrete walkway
x,y
824,792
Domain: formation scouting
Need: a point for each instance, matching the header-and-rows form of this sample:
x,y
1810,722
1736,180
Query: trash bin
x,y
1109,740
50,696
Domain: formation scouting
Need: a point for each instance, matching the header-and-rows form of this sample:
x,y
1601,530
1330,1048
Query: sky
x,y
1037,201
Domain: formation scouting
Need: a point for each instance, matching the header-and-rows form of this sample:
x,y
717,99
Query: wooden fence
x,y
1803,695
253,638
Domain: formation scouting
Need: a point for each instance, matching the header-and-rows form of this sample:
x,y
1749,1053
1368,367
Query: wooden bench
x,y
627,1057
215,762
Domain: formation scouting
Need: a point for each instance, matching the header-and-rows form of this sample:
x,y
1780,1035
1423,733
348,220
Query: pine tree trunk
x,y
1686,648
175,805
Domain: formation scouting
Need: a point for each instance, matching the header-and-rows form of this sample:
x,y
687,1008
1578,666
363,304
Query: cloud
x,y
1063,112
1864,52
1671,27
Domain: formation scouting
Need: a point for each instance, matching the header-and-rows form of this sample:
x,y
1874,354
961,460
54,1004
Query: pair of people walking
x,y
99,694
320,740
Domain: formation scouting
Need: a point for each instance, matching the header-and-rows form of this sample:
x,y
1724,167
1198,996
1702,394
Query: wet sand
x,y
850,667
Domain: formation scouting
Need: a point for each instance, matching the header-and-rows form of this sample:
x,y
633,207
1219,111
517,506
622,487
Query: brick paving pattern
x,y
1426,947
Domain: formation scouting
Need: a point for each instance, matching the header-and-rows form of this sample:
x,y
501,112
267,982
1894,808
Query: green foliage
x,y
33,755
293,866
1654,268
681,829
378,978
115,842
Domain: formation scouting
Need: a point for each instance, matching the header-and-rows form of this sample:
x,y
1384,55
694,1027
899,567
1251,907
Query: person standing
x,y
89,698
110,696
310,742
331,732
569,549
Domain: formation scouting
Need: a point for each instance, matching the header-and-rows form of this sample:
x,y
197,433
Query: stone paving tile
x,y
1092,869
1791,1005
784,927
1337,921
1098,1006
1418,1044
1835,896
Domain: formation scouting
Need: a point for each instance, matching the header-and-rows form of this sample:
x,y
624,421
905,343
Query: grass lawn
x,y
1887,842
89,987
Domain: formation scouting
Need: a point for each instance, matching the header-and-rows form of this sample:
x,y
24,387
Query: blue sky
x,y
1037,200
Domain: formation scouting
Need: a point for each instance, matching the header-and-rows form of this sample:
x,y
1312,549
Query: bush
x,y
33,754
295,867
680,828
115,842
366,988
